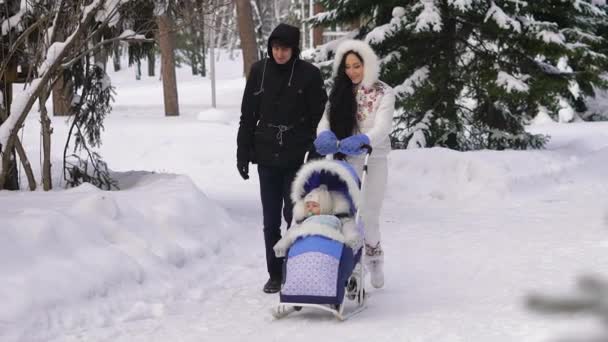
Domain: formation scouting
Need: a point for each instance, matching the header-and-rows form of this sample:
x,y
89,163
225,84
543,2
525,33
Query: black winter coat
x,y
282,106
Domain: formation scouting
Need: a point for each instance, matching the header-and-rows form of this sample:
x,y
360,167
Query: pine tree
x,y
583,53
469,74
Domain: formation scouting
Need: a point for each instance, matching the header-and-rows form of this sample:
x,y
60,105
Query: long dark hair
x,y
343,103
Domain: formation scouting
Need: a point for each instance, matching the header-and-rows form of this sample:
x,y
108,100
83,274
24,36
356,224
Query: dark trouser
x,y
275,190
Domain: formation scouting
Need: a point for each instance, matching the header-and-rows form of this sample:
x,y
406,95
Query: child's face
x,y
313,208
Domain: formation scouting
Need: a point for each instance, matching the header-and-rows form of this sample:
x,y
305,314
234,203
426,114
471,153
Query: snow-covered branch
x,y
127,35
429,18
503,20
415,80
24,101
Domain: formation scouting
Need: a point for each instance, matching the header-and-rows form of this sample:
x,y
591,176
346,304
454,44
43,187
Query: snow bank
x,y
63,248
439,174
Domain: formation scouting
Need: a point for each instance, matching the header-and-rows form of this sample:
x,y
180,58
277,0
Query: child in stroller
x,y
325,213
324,249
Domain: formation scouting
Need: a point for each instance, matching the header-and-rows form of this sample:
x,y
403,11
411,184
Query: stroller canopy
x,y
337,175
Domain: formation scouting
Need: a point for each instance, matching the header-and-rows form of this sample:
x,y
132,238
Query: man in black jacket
x,y
282,104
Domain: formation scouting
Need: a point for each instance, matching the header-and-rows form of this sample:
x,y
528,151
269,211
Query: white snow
x,y
587,8
542,117
398,12
324,16
130,34
14,20
562,65
462,5
429,18
382,32
598,105
565,113
415,80
574,88
214,115
177,254
512,82
551,37
501,18
320,54
17,106
52,53
418,139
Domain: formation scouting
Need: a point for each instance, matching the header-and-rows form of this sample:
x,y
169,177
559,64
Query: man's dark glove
x,y
243,167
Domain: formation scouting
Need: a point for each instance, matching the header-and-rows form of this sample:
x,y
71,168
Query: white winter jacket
x,y
375,99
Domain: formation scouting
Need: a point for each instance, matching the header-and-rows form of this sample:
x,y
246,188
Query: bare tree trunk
x,y
116,54
203,47
317,33
61,90
247,34
101,55
151,62
61,98
9,164
31,181
166,39
13,179
46,141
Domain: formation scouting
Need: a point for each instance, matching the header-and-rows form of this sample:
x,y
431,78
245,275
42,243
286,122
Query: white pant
x,y
373,196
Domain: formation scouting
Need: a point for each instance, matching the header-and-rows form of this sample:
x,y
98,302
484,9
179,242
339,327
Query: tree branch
x,y
102,43
8,131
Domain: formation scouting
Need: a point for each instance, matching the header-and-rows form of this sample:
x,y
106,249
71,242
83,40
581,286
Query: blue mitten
x,y
353,145
326,143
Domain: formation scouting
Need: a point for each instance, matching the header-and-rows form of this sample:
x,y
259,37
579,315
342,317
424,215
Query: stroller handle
x,y
368,148
368,151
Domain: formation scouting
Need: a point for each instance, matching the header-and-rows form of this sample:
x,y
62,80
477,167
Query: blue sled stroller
x,y
318,270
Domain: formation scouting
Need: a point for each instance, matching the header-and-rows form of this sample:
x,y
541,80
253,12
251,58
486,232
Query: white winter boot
x,y
374,261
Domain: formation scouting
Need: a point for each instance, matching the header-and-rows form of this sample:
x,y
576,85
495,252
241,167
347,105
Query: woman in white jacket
x,y
360,111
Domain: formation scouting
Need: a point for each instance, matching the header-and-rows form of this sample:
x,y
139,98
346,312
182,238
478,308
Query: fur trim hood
x,y
298,190
340,204
371,65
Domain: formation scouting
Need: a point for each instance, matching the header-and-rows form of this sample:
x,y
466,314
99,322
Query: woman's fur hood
x,y
371,65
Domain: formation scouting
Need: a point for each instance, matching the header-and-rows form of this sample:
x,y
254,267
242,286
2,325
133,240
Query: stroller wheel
x,y
351,288
361,296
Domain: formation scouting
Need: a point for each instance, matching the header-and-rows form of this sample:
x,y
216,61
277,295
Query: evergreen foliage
x,y
94,94
469,74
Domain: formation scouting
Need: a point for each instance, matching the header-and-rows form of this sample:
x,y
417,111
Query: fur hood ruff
x,y
371,65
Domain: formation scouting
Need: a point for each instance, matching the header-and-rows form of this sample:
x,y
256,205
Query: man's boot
x,y
272,286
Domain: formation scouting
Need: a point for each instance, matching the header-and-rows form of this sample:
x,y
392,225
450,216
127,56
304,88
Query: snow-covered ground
x,y
177,253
